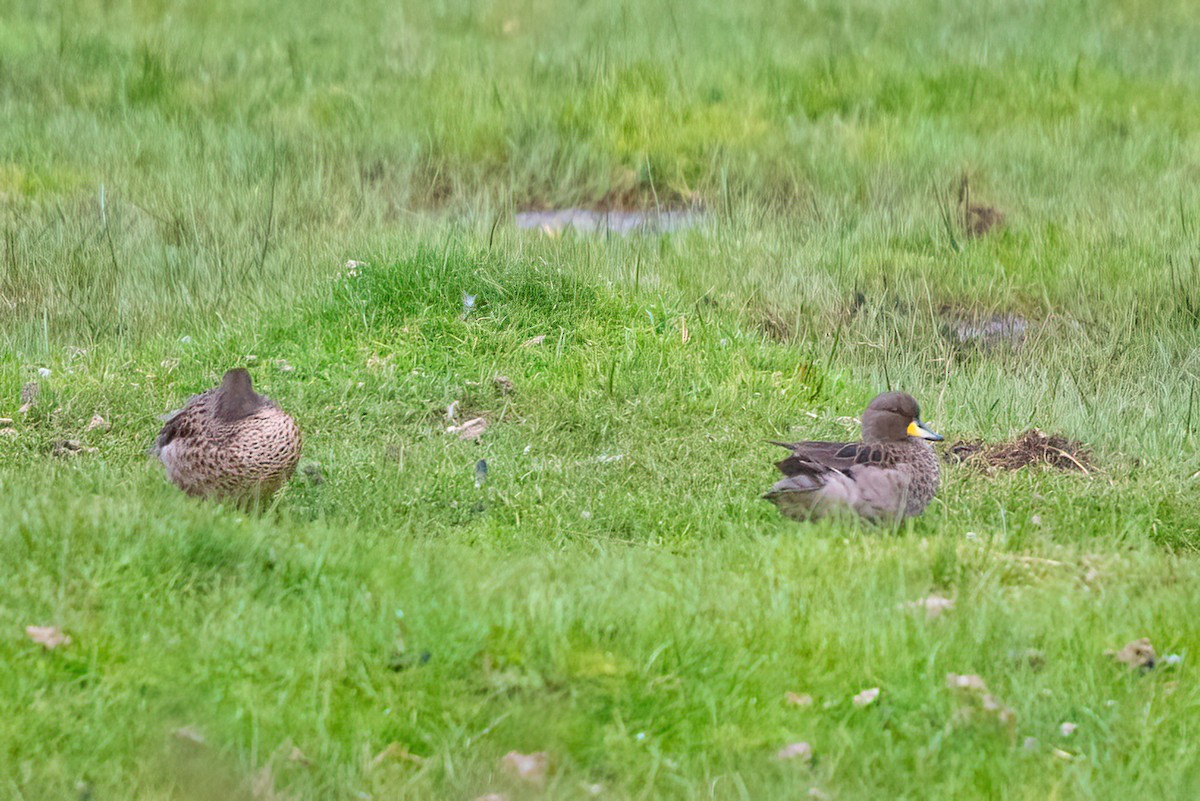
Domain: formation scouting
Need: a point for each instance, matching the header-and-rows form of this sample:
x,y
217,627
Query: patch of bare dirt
x,y
436,185
1033,448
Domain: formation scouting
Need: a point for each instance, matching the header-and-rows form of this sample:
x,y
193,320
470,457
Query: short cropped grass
x,y
181,187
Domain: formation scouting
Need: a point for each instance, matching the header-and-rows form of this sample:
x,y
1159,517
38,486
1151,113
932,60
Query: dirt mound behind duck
x,y
1033,447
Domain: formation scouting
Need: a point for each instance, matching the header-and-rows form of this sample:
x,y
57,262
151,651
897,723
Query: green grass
x,y
180,187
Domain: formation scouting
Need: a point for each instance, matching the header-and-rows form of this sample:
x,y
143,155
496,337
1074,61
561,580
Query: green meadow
x,y
182,186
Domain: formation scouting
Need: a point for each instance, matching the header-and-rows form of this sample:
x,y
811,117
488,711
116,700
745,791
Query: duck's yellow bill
x,y
917,429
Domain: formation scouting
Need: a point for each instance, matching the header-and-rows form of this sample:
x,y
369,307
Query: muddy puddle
x,y
623,223
986,331
964,327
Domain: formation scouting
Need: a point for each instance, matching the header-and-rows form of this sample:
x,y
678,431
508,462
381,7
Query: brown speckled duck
x,y
892,473
229,443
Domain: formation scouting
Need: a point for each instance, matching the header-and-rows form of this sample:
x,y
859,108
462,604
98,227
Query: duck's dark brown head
x,y
236,398
894,417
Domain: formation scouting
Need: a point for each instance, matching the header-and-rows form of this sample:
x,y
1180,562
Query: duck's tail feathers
x,y
802,483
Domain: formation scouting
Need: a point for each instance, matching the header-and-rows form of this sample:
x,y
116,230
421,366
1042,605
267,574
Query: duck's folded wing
x,y
174,424
813,459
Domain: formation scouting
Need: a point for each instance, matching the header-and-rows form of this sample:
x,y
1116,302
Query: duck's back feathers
x,y
229,442
820,457
874,480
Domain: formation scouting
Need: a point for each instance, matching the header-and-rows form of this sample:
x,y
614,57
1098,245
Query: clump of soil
x,y
977,218
1029,449
774,325
981,219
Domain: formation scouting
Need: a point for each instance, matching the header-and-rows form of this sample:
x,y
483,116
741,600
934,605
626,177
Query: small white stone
x,y
44,372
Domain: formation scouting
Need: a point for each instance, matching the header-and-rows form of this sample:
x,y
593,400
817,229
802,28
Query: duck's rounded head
x,y
894,417
236,397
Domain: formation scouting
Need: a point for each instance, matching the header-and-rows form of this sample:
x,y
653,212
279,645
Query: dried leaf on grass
x,y
933,604
299,757
189,734
532,341
799,699
970,682
530,767
395,752
71,447
471,429
800,750
49,637
978,701
1137,655
867,697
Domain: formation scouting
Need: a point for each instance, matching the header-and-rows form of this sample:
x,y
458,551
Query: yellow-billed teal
x,y
229,443
891,473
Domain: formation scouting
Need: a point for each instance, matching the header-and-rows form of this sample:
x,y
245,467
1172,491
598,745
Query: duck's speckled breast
x,y
924,476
